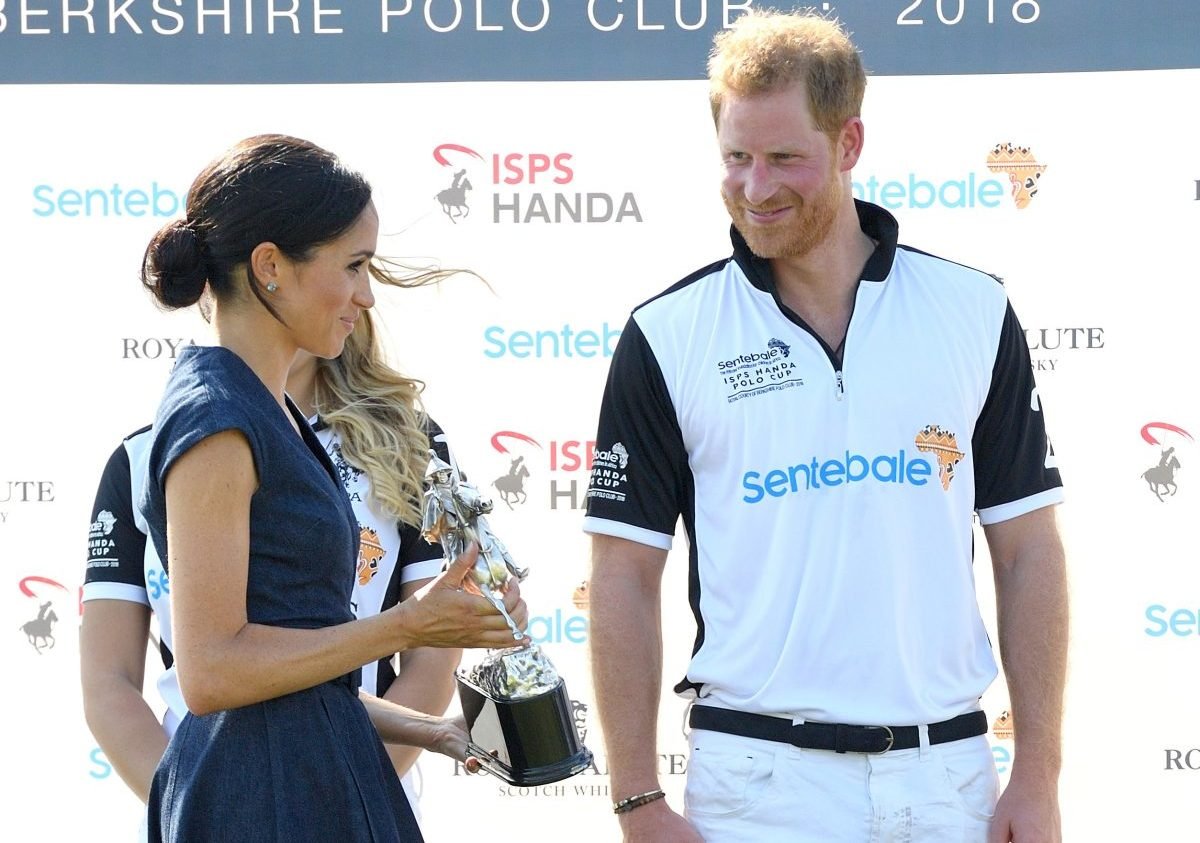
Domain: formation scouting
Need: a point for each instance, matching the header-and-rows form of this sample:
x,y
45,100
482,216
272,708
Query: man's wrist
x,y
637,800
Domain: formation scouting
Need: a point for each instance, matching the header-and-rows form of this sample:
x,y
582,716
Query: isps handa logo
x,y
527,466
1160,478
522,188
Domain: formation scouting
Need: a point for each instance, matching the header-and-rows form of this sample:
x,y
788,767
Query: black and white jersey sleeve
x,y
1015,470
116,544
640,480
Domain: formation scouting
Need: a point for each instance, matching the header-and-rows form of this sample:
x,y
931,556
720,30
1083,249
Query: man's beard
x,y
805,228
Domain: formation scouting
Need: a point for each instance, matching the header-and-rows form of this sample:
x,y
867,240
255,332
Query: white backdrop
x,y
1099,266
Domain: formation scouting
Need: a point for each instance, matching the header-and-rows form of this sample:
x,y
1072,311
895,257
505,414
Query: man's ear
x,y
850,143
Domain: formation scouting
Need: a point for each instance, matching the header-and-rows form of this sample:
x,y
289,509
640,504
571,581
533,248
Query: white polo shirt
x,y
827,501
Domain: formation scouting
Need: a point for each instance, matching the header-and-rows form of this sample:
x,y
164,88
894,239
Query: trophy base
x,y
526,742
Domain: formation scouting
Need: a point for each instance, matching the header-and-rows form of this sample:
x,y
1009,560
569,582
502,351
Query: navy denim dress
x,y
308,765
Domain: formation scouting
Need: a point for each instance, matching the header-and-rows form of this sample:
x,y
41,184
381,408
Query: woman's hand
x,y
398,724
445,614
452,742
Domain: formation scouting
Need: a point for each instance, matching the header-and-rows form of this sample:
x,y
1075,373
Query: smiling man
x,y
827,411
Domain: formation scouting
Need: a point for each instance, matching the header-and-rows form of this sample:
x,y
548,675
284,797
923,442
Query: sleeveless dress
x,y
307,766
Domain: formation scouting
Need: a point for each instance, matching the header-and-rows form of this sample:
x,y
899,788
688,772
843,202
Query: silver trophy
x,y
518,714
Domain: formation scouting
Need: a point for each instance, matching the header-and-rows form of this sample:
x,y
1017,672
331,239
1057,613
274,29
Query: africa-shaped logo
x,y
370,551
1002,727
103,525
1161,477
1022,168
944,445
581,596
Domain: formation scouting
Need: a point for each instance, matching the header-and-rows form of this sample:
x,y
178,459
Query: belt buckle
x,y
844,742
891,739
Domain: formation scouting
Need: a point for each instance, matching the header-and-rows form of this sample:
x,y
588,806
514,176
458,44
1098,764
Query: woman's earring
x,y
272,286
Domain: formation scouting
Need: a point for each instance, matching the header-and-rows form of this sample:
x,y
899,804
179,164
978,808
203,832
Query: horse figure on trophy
x,y
1161,478
511,486
454,198
453,515
39,628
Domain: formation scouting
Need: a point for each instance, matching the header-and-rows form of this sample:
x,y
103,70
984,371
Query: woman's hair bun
x,y
173,268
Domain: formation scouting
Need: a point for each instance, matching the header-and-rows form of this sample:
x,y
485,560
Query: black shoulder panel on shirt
x,y
917,251
704,272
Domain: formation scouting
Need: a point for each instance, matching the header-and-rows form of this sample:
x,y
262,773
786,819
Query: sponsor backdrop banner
x,y
564,151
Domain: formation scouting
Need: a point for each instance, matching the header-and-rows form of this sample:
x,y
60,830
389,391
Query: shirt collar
x,y
874,221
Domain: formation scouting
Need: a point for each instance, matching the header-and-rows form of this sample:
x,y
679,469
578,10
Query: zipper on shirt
x,y
841,385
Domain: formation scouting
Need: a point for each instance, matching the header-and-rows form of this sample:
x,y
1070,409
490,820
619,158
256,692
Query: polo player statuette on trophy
x,y
516,706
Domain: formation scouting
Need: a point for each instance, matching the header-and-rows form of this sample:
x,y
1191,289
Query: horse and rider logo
x,y
511,486
454,198
39,630
1160,478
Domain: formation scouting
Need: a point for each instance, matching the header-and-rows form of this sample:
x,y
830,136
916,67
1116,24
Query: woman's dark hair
x,y
268,188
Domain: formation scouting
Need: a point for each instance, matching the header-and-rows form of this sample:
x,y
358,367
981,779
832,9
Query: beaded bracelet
x,y
630,802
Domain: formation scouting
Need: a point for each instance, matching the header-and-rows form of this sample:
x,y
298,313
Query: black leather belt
x,y
838,737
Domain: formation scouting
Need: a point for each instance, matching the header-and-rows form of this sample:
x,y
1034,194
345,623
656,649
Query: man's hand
x,y
657,823
1027,813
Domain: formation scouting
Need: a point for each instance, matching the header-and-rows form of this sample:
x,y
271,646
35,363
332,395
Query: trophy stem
x,y
496,601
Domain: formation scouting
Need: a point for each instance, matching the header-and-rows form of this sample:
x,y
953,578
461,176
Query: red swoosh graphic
x,y
511,434
452,147
28,592
1149,437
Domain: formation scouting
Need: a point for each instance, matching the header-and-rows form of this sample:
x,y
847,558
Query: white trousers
x,y
744,790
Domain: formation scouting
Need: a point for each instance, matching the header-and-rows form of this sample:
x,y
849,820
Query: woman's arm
x,y
399,725
223,660
112,650
425,683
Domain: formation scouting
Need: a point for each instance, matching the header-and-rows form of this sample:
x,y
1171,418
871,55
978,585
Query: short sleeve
x,y
187,416
116,545
1015,469
640,479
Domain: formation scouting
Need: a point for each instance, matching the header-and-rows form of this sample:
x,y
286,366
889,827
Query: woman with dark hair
x,y
258,536
370,420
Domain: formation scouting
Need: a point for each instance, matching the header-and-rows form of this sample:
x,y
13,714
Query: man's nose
x,y
760,184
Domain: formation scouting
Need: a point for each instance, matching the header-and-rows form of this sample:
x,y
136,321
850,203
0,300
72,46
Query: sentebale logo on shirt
x,y
899,468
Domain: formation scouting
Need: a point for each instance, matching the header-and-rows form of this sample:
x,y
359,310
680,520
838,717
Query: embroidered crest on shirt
x,y
608,473
345,470
751,373
944,445
100,546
